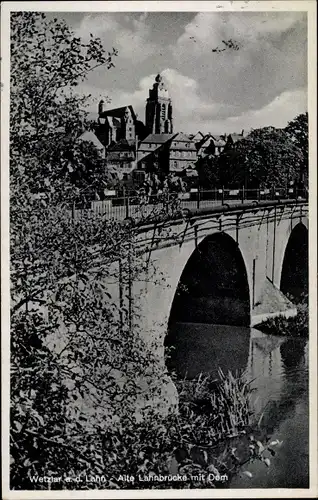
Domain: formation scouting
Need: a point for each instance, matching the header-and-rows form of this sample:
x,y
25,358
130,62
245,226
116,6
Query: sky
x,y
264,83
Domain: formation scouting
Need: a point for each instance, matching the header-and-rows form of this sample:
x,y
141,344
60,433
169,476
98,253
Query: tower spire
x,y
159,108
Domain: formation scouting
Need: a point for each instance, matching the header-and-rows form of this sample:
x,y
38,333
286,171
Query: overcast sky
x,y
263,83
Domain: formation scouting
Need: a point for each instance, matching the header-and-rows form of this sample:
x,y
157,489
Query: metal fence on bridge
x,y
141,205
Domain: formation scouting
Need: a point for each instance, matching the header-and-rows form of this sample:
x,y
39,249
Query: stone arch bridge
x,y
233,265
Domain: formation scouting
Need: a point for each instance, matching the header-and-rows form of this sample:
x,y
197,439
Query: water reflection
x,y
203,348
278,368
292,352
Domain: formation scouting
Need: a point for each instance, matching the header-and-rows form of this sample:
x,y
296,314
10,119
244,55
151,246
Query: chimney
x,y
242,132
101,107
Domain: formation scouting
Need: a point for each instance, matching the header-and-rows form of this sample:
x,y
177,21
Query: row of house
x,y
132,149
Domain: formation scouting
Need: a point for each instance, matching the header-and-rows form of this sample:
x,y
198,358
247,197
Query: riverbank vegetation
x,y
294,326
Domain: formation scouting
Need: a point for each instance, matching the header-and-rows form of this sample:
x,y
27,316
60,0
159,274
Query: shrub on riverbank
x,y
295,326
202,446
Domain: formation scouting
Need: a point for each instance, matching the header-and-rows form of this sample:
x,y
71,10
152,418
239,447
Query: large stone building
x,y
114,125
133,149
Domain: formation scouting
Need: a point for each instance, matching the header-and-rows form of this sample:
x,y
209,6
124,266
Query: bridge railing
x,y
138,205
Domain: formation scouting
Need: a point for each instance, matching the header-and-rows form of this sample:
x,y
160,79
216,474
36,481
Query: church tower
x,y
159,109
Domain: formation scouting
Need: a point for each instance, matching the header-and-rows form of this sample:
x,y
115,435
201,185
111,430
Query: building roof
x,y
113,121
89,136
180,136
158,138
219,140
118,112
149,158
122,145
186,143
204,139
236,137
197,137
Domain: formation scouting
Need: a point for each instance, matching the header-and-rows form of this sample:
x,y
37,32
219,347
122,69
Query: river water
x,y
278,367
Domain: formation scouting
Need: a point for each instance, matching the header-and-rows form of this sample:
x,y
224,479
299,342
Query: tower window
x,y
163,111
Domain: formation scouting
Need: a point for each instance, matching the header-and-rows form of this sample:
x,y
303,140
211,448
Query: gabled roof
x,y
204,139
89,136
118,112
182,137
186,143
158,138
197,137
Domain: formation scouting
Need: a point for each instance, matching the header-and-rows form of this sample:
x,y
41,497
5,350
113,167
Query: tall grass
x,y
224,404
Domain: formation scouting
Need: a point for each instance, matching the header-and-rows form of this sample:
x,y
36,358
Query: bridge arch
x,y
214,285
294,267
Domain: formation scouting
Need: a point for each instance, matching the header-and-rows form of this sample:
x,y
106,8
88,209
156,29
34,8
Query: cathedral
x,y
121,124
134,148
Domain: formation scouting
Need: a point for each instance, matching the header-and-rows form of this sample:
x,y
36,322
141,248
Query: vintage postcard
x,y
159,249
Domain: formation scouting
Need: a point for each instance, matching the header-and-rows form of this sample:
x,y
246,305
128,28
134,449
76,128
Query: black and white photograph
x,y
158,237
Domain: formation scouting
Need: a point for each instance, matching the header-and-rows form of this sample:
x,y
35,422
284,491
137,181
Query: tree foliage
x,y
76,362
297,130
65,343
267,157
208,172
46,114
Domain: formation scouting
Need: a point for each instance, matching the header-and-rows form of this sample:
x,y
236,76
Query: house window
x,y
175,164
149,145
129,129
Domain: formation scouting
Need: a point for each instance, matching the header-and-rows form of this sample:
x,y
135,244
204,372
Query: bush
x,y
296,326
